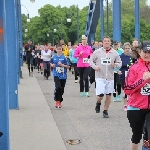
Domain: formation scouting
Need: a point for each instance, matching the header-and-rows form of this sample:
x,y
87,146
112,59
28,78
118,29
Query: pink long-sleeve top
x,y
83,59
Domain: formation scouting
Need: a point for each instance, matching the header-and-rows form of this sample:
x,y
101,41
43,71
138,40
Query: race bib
x,y
105,61
126,72
86,60
146,89
60,69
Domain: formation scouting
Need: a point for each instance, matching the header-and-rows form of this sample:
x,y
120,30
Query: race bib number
x,y
86,60
105,61
60,69
146,89
126,72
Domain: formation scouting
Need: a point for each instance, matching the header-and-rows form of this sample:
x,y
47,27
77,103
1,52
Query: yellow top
x,y
66,51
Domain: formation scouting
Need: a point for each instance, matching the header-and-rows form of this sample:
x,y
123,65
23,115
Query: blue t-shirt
x,y
59,71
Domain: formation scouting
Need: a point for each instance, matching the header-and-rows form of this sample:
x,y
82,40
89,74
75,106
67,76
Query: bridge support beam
x,y
13,53
117,20
137,19
101,20
4,84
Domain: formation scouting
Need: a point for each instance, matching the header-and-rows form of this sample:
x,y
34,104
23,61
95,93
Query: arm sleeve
x,y
118,61
132,82
76,53
92,60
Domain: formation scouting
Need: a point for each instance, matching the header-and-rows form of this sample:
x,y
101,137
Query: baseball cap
x,y
115,43
145,45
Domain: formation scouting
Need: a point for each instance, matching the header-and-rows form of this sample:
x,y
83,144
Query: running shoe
x,y
57,104
76,81
87,94
125,107
119,98
60,105
145,148
114,99
105,114
97,107
81,94
146,145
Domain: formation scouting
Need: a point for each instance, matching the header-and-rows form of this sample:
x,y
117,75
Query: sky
x,y
32,8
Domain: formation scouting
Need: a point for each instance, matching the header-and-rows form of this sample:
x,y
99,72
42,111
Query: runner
x,y
92,71
29,48
103,62
83,52
127,61
74,61
60,65
117,84
137,87
46,55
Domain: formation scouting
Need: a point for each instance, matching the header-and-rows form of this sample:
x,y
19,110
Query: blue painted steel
x,y
117,20
92,37
137,19
4,84
101,20
13,65
17,38
20,33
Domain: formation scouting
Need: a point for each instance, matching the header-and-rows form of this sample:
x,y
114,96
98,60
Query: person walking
x,y
138,88
83,53
60,65
103,61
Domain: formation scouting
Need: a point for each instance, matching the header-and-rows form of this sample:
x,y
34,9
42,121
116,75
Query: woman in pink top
x,y
83,53
137,86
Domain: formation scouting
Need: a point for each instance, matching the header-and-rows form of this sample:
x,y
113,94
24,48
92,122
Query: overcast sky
x,y
33,7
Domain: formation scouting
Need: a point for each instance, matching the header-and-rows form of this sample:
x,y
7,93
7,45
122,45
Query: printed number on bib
x,y
146,89
59,69
86,60
105,61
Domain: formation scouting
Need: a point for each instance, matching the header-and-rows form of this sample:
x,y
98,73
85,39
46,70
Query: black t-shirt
x,y
28,49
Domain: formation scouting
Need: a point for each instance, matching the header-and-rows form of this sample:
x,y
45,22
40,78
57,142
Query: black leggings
x,y
117,85
122,81
84,73
46,69
75,70
137,119
59,88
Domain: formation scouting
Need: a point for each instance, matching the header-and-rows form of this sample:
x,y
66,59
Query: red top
x,y
134,84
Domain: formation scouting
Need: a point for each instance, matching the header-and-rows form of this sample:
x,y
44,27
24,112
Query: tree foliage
x,y
51,17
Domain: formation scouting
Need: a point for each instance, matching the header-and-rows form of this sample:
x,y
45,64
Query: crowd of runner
x,y
119,71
